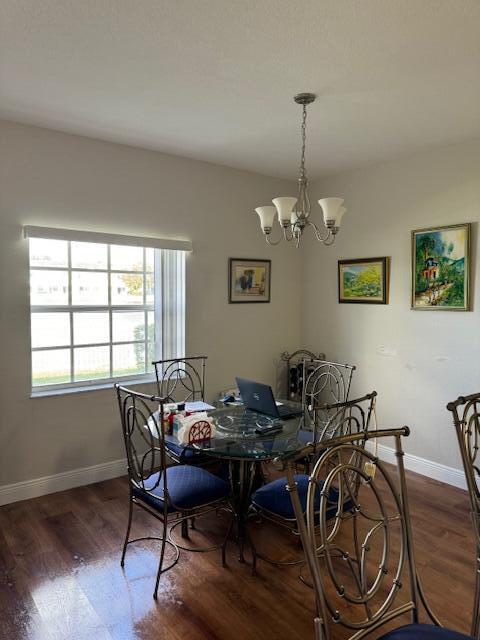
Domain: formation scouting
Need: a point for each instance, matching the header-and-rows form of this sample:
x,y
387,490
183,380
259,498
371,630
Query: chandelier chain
x,y
303,173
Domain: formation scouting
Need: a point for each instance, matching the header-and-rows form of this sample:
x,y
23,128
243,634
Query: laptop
x,y
259,397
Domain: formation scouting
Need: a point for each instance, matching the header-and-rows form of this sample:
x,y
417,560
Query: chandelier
x,y
294,213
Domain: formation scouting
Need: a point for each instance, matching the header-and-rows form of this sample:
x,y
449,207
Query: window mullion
x,y
158,302
145,313
110,315
70,314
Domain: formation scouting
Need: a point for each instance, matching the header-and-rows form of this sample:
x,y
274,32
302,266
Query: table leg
x,y
242,473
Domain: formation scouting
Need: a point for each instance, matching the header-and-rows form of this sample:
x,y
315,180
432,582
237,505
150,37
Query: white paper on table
x,y
198,405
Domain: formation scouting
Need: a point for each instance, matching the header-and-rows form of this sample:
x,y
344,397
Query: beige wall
x,y
416,360
54,179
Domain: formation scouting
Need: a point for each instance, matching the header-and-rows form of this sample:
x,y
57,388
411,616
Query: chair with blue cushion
x,y
362,567
172,494
272,501
466,420
182,380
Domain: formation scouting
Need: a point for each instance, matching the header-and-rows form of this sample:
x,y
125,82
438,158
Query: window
x,y
102,311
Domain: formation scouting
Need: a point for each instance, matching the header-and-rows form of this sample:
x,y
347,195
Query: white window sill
x,y
93,387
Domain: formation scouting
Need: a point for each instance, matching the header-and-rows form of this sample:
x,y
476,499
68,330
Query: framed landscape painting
x,y
441,268
365,280
249,280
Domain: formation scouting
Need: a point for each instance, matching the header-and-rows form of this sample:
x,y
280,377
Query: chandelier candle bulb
x,y
284,207
341,212
331,211
267,216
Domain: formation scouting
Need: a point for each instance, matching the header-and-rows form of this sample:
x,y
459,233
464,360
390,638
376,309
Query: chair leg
x,y
318,629
160,562
192,524
254,561
130,513
224,545
475,632
185,529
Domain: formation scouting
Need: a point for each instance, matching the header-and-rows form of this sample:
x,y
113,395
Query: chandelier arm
x,y
324,239
272,243
288,237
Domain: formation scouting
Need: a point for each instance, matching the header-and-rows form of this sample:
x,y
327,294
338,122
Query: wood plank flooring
x,y
60,577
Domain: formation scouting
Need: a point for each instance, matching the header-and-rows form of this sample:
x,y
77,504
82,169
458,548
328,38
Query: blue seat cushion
x,y
188,487
275,498
305,436
187,454
423,632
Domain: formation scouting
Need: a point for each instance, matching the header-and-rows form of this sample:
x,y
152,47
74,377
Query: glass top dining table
x,y
235,436
236,441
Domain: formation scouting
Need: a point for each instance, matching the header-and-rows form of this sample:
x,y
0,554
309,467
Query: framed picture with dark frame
x,y
364,281
248,280
441,268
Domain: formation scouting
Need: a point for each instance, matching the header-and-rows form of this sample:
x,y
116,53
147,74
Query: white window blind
x,y
102,311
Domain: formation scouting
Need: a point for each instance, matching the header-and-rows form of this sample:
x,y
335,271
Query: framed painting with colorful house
x,y
441,268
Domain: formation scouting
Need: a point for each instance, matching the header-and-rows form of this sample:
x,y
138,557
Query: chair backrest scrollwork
x,y
141,418
181,379
358,579
325,383
343,418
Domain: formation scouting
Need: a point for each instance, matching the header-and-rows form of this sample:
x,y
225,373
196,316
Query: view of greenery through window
x,y
92,311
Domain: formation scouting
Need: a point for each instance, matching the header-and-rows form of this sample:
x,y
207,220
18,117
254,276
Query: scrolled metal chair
x,y
272,500
365,580
325,383
182,380
177,492
466,420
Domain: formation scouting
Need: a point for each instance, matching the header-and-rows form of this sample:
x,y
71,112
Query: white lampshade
x,y
266,215
284,207
341,212
331,210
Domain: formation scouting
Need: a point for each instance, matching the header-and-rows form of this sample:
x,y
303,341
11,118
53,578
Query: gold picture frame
x,y
441,268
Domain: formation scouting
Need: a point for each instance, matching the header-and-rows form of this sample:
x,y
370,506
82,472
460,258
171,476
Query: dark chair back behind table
x,y
466,420
181,379
325,383
365,580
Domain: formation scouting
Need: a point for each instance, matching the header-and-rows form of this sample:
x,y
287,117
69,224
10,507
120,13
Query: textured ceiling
x,y
214,79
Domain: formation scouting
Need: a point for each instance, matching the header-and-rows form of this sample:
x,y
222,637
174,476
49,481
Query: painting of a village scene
x,y
249,280
440,268
363,281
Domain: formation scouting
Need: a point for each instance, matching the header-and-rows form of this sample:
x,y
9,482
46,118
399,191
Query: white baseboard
x,y
435,470
107,470
61,481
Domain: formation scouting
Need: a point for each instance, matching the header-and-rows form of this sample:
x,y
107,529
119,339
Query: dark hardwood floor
x,y
60,576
